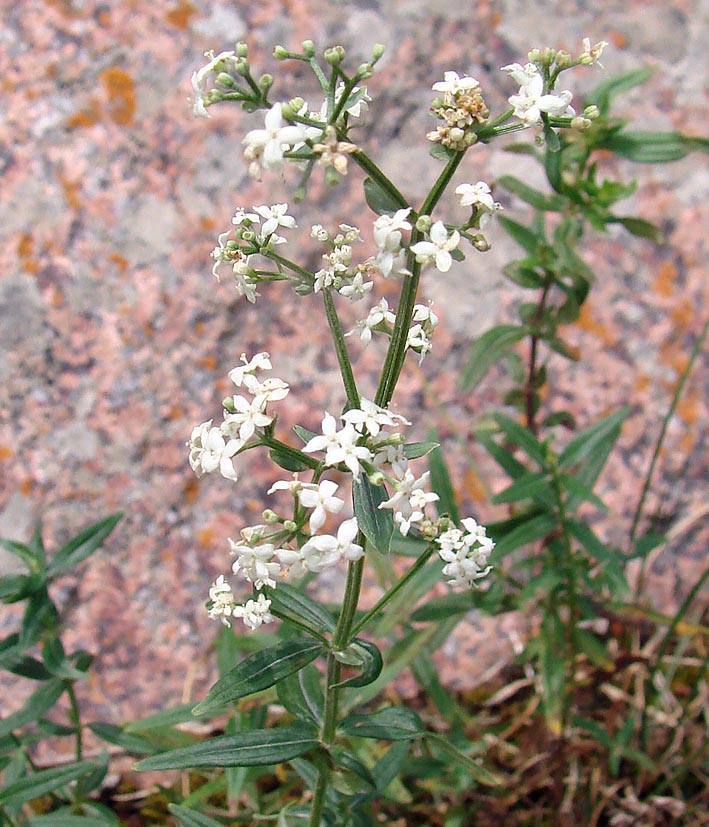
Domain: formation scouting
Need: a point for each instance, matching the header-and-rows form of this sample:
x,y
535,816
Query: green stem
x,y
288,450
396,353
291,265
397,587
318,804
658,447
343,358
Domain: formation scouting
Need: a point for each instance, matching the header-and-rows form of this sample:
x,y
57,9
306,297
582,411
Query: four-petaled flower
x,y
454,85
265,147
437,250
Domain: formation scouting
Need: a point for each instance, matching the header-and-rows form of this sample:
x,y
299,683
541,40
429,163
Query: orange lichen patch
x,y
25,247
5,451
56,297
175,412
672,354
64,7
665,279
207,222
618,39
588,323
181,15
473,486
190,490
683,314
687,408
119,261
642,383
104,18
26,487
120,90
208,362
89,116
70,189
205,537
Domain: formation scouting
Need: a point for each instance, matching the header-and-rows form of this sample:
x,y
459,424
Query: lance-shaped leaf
x,y
260,671
302,695
532,196
487,351
654,147
395,723
597,437
460,759
116,735
442,484
42,782
290,603
523,438
36,705
192,818
82,546
65,818
369,661
378,199
524,533
257,747
376,523
414,450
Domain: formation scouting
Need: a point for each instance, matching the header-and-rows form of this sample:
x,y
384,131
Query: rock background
x,y
115,339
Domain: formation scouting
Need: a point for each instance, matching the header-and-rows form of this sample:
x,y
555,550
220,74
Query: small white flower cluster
x,y
391,258
224,62
437,250
266,148
531,101
419,336
465,553
238,246
460,110
479,197
337,274
212,448
409,500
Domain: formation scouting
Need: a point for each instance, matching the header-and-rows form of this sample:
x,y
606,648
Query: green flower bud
x,y
481,243
548,55
241,49
376,478
364,70
296,104
334,55
332,176
535,56
591,112
228,404
424,223
308,48
242,67
265,81
563,59
280,52
289,525
269,516
580,124
377,52
226,80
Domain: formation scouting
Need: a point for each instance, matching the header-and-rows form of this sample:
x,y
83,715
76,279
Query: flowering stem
x,y
396,353
291,265
287,450
386,598
343,358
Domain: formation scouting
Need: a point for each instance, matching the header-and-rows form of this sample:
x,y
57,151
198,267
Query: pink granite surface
x,y
115,339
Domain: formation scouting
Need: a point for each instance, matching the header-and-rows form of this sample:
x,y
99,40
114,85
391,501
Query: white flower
x,y
209,451
324,550
328,438
222,601
424,314
393,455
437,250
254,612
293,485
417,339
266,146
370,417
270,390
321,498
275,217
530,102
378,317
241,216
478,196
388,228
465,554
454,85
360,105
357,289
199,81
409,500
256,563
246,418
261,361
340,446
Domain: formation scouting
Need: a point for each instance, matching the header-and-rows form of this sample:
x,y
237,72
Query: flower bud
x,y
563,59
334,55
289,525
280,52
580,124
228,404
265,81
241,67
308,48
241,49
364,70
535,56
377,52
332,176
376,478
481,243
269,516
428,530
591,112
424,223
226,80
296,104
547,56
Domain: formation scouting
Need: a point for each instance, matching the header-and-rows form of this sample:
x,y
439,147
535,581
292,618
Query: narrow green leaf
x,y
16,587
192,818
304,433
56,661
395,723
442,484
523,274
638,227
522,535
42,782
525,237
414,450
591,439
581,492
376,523
24,553
442,153
523,438
65,818
36,705
290,463
112,734
371,663
584,534
529,486
260,671
532,196
257,747
301,694
604,93
378,199
487,350
502,456
460,759
551,140
593,648
287,602
179,714
552,166
654,147
82,546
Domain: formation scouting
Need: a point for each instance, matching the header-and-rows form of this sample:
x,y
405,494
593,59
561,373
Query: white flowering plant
x,y
355,491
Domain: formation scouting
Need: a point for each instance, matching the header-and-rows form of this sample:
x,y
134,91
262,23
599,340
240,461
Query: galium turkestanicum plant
x,y
353,487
